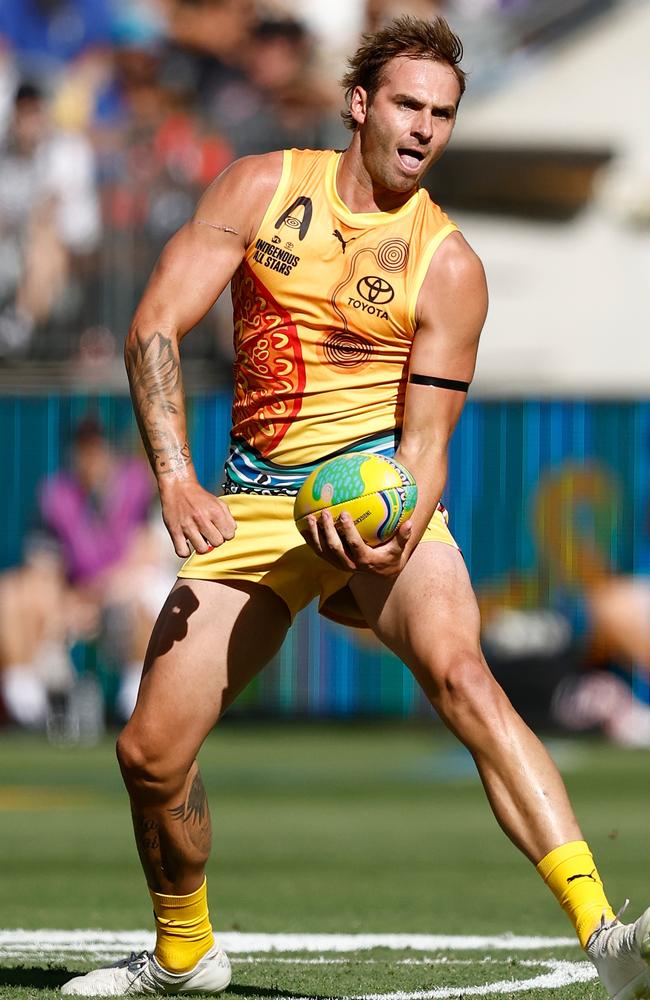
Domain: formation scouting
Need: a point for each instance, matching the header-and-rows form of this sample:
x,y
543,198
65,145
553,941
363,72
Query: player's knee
x,y
468,693
146,771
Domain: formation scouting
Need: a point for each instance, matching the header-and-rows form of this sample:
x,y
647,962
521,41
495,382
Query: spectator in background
x,y
94,508
150,135
380,12
277,100
98,511
45,35
100,577
219,29
532,622
49,215
335,27
37,617
620,613
618,610
156,154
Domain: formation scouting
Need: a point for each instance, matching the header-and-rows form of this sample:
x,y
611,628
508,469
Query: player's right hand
x,y
194,517
341,545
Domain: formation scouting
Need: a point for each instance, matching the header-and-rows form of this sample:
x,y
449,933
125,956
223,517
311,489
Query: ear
x,y
359,105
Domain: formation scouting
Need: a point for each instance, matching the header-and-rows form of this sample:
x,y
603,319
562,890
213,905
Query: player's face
x,y
406,126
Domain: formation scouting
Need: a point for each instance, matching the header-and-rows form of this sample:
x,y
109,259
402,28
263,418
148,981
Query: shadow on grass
x,y
42,979
53,978
250,990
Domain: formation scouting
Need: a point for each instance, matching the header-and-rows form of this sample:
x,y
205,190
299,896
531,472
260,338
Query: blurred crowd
x,y
115,114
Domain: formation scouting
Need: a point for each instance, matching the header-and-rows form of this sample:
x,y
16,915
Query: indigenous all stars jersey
x,y
324,315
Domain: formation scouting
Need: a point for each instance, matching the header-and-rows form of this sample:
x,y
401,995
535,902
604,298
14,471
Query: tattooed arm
x,y
194,268
156,387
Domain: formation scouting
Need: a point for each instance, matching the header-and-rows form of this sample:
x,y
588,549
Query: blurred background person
x,y
49,216
36,621
98,511
46,35
567,636
276,100
95,574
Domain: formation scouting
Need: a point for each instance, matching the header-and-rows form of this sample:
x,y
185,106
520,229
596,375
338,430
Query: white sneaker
x,y
621,954
142,974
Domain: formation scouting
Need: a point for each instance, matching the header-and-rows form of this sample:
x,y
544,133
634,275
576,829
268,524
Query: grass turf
x,y
317,829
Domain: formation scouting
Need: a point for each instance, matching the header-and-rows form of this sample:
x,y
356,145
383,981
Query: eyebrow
x,y
450,109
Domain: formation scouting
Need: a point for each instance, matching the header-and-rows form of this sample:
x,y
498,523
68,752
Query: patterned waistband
x,y
230,487
248,472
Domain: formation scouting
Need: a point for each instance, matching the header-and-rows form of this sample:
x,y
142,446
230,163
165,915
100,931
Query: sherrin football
x,y
378,493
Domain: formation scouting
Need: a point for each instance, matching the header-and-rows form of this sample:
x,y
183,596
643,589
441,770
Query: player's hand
x,y
195,517
341,545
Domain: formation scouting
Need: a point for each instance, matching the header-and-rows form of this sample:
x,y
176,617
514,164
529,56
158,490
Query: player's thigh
x,y
428,615
209,641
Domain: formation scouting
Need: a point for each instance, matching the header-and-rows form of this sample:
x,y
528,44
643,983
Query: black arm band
x,y
440,383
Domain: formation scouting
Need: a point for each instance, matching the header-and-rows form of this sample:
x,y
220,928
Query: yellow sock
x,y
183,930
570,873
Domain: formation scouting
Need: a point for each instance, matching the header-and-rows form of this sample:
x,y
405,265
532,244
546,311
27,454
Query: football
x,y
377,492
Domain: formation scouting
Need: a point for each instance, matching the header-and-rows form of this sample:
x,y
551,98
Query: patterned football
x,y
377,492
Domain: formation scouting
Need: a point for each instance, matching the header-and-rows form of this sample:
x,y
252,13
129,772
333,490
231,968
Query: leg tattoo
x,y
194,814
174,843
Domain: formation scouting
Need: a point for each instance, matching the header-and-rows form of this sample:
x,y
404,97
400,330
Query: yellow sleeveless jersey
x,y
324,317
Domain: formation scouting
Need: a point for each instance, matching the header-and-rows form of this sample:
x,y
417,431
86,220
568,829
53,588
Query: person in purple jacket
x,y
95,508
93,575
98,511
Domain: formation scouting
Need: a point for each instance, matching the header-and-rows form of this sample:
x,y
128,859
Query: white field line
x,y
108,943
564,974
532,963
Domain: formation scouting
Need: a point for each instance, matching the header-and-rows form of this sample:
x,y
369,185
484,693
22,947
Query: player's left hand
x,y
341,545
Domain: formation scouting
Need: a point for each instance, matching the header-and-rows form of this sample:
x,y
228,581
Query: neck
x,y
358,190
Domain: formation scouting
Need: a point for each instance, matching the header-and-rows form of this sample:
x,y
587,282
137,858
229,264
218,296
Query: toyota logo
x,y
376,290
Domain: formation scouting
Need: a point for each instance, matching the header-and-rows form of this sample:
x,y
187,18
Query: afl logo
x,y
296,219
375,290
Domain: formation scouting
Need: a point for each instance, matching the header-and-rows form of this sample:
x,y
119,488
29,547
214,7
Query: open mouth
x,y
410,158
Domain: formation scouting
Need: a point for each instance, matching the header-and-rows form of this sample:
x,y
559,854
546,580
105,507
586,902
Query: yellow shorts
x,y
269,549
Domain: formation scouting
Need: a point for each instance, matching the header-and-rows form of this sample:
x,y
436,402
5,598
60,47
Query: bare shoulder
x,y
238,198
456,265
455,283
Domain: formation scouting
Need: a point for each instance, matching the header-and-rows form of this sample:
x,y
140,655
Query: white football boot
x,y
142,974
621,954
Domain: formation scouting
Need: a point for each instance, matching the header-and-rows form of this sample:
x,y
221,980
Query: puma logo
x,y
572,878
343,242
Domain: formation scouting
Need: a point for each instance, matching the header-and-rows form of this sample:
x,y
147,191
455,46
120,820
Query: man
x,y
49,216
99,512
358,308
94,572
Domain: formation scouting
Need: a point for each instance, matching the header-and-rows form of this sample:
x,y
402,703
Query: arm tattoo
x,y
157,392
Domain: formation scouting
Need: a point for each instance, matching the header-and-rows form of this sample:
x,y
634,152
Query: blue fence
x,y
541,493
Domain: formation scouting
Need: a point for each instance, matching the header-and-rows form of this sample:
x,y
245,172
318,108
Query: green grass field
x,y
319,829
